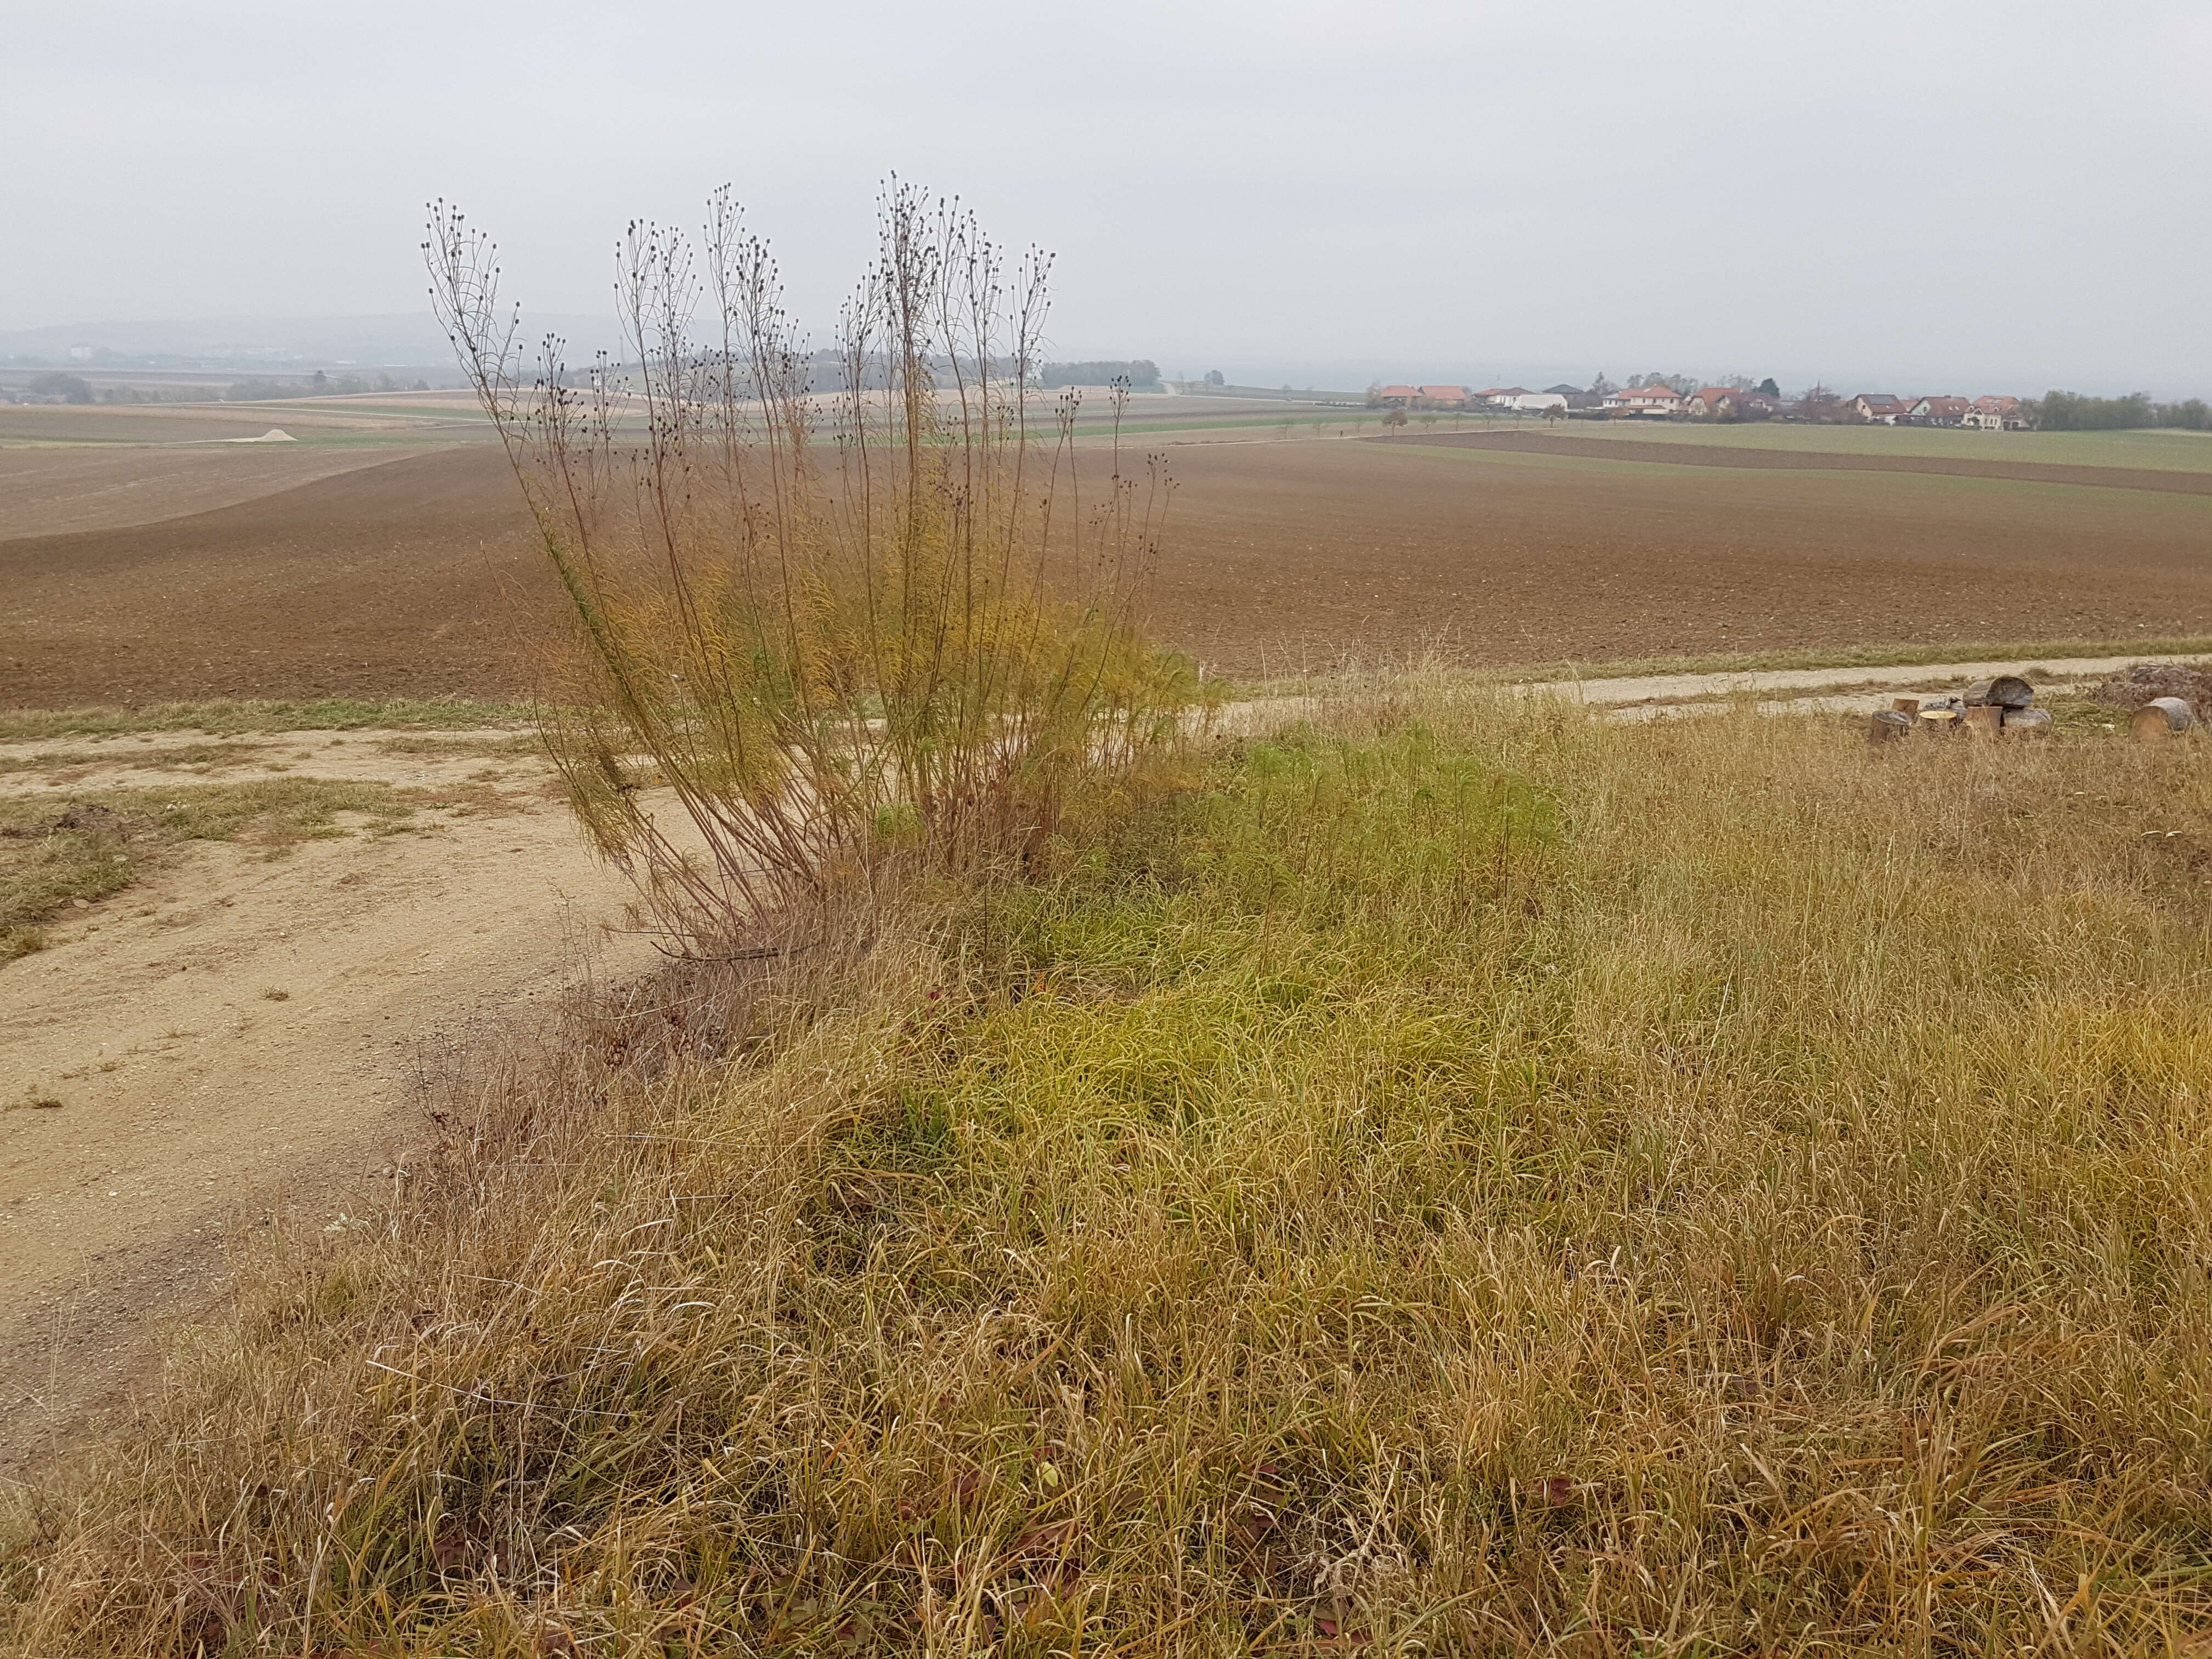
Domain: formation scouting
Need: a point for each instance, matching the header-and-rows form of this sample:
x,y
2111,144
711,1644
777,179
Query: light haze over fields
x,y
1919,197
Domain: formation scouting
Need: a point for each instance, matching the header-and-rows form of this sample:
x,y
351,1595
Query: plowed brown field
x,y
1289,553
400,578
52,491
386,580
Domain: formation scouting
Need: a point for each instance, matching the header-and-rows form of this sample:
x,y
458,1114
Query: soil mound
x,y
2135,686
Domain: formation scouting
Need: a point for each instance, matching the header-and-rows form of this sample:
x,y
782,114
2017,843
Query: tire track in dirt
x,y
196,1099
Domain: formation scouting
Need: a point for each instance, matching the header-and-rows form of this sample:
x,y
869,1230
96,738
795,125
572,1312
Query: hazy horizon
x,y
1983,198
146,337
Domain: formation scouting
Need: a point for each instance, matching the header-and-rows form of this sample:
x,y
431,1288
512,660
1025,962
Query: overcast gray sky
x,y
1993,193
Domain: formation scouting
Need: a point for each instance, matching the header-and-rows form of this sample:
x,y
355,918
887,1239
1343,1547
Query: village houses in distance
x,y
1655,399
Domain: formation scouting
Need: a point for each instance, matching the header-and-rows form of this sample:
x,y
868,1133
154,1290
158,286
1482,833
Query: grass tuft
x,y
19,941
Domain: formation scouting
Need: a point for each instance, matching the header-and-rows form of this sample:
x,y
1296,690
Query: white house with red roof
x,y
1940,411
1645,402
1727,402
1994,415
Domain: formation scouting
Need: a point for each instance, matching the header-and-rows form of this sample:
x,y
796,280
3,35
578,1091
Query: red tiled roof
x,y
1398,392
1443,393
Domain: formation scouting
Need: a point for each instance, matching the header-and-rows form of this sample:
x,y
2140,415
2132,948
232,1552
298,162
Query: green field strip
x,y
2174,451
2049,488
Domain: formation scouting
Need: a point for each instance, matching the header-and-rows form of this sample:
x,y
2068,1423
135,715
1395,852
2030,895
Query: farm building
x,y
1519,398
1393,397
1883,408
1444,396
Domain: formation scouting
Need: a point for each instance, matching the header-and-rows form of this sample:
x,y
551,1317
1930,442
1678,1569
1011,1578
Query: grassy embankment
x,y
1462,1177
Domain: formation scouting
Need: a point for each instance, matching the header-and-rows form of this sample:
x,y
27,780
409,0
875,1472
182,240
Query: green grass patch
x,y
2159,451
230,716
1873,491
56,850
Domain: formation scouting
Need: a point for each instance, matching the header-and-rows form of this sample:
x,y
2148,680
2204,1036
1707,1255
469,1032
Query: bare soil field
x,y
392,576
64,423
1289,554
412,576
54,491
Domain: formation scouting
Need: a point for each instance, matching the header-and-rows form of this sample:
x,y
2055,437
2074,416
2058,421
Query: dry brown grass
x,y
1462,1178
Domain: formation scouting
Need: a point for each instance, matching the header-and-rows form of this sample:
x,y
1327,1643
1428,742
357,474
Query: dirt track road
x,y
1775,691
191,1101
1848,687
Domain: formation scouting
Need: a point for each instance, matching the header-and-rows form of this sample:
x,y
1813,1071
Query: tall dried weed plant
x,y
878,619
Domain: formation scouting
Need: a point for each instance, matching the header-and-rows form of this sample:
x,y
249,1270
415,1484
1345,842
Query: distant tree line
x,y
70,388
76,389
1681,385
154,394
1142,374
2071,411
